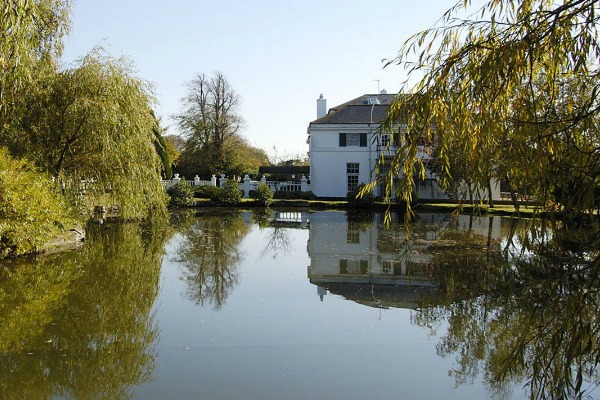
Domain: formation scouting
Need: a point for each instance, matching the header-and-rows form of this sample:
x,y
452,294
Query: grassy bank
x,y
483,209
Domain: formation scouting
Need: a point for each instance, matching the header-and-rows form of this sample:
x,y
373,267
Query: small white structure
x,y
345,145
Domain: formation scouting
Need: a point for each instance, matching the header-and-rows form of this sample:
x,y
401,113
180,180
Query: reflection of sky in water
x,y
274,338
252,306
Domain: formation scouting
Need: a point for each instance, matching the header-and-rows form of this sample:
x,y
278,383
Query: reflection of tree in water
x,y
278,241
79,325
277,237
532,319
209,255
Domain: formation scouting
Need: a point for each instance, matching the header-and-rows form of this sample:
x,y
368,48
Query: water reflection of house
x,y
354,254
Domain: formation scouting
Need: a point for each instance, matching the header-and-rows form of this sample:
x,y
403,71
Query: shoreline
x,y
502,209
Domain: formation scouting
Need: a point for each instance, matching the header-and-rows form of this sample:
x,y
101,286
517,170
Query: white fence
x,y
245,184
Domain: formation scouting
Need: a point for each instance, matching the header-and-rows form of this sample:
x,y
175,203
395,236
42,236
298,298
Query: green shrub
x,y
208,192
263,194
181,194
230,192
356,199
31,212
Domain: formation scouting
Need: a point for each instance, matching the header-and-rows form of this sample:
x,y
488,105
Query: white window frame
x,y
352,176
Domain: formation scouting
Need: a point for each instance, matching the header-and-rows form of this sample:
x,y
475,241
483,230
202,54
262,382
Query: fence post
x,y
175,179
222,180
263,180
304,184
213,180
196,180
246,186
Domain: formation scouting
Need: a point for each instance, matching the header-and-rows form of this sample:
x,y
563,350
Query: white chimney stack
x,y
321,107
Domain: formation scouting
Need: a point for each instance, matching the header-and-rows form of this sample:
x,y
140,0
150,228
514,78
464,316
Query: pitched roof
x,y
361,110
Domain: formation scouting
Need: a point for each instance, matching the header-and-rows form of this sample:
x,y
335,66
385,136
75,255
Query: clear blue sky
x,y
278,55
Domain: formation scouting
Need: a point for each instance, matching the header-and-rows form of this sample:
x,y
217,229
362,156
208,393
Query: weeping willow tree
x,y
91,127
31,32
513,88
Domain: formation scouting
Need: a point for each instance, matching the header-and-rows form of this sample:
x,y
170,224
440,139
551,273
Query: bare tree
x,y
210,116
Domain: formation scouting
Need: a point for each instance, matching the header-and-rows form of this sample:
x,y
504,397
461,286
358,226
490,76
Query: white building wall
x,y
328,163
328,160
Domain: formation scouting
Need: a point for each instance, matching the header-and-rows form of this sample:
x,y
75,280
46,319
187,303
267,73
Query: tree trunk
x,y
490,198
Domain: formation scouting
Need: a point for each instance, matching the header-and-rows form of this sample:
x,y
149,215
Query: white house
x,y
345,144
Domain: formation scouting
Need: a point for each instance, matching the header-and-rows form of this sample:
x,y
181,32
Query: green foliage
x,y
230,192
263,194
162,150
242,158
238,158
94,122
208,192
31,32
512,95
91,122
360,196
181,194
31,213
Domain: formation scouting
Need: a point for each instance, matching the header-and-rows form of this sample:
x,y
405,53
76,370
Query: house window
x,y
353,234
387,267
354,267
385,140
352,172
353,237
391,267
353,140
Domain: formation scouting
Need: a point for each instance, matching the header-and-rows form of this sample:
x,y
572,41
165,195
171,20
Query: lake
x,y
292,304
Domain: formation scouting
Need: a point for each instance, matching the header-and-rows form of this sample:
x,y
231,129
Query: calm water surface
x,y
298,305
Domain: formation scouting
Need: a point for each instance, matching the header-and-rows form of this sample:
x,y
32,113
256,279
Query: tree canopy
x,y
30,31
93,123
515,87
89,127
210,120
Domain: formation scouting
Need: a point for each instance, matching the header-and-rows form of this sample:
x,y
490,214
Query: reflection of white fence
x,y
246,185
291,216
